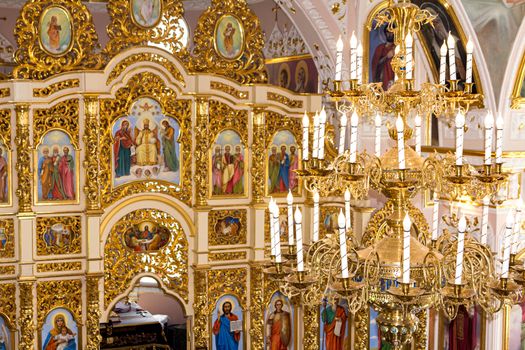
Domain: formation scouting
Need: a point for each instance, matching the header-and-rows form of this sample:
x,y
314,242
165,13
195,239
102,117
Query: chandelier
x,y
405,265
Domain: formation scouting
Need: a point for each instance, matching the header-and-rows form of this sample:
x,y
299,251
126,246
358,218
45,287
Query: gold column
x,y
201,151
25,322
311,327
93,312
23,159
258,155
256,307
361,329
420,337
91,136
200,306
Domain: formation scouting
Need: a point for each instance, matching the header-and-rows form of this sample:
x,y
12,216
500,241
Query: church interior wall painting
x,y
146,13
229,37
279,323
7,341
329,220
227,227
228,165
5,176
298,74
334,325
146,236
7,245
58,235
283,158
227,324
55,30
60,331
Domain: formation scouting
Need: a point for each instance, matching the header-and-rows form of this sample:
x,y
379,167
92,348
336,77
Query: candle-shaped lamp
x,y
354,121
400,127
451,43
435,217
272,228
342,133
443,63
499,140
315,146
306,125
339,60
315,236
407,224
470,50
489,124
359,63
353,56
289,201
462,226
299,236
484,220
342,244
409,56
516,229
460,125
509,225
417,122
277,228
348,222
378,122
322,128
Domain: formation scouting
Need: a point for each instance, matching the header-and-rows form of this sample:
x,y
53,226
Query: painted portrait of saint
x,y
6,342
146,237
55,30
284,75
301,77
146,13
228,165
334,325
229,37
145,145
227,320
380,56
60,331
228,226
283,160
278,323
58,235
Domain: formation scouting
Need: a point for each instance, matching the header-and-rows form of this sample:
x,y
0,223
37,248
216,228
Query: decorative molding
x,y
93,313
201,331
59,267
202,106
230,90
7,270
257,289
227,256
64,116
23,160
92,152
284,43
5,127
227,281
63,293
216,238
272,96
5,92
44,224
51,89
25,320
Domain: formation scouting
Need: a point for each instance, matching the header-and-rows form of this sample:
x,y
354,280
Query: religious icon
x,y
283,160
380,55
58,235
146,13
229,37
57,166
4,174
55,30
146,237
464,331
145,145
3,239
228,226
278,320
328,222
334,325
227,321
228,165
6,340
284,75
301,77
59,331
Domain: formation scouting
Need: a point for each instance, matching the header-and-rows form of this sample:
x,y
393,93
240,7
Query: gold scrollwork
x,y
91,135
145,57
200,305
5,127
227,281
230,90
63,115
124,32
34,62
361,323
59,267
258,149
144,84
420,337
227,256
53,294
5,92
216,236
201,150
257,307
249,67
44,225
276,122
8,303
311,329
170,263
272,96
7,270
23,160
25,321
8,251
224,117
51,89
93,313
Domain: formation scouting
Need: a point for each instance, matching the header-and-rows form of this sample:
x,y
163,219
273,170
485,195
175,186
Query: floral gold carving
x,y
257,327
7,270
43,224
144,84
8,302
272,96
276,122
59,267
124,32
215,235
249,67
25,321
258,148
5,92
63,293
93,313
9,248
361,323
63,115
5,126
227,256
201,150
145,57
51,89
223,117
170,263
23,160
200,305
230,90
36,63
420,336
311,327
90,138
227,281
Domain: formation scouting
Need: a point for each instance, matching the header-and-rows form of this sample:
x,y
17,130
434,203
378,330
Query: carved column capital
x,y
258,154
23,159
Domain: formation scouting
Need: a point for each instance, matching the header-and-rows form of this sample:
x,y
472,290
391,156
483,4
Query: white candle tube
x,y
462,225
315,147
342,245
315,236
435,217
452,55
509,224
306,125
409,56
360,64
489,124
484,220
322,128
400,143
417,122
470,50
516,229
277,226
378,122
499,139
289,201
342,133
460,124
348,222
299,236
354,121
339,60
272,228
353,56
443,64
407,224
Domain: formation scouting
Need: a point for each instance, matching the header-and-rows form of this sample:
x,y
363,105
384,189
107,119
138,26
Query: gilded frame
x,y
9,158
216,215
244,318
325,210
161,9
75,246
75,318
215,32
518,101
71,28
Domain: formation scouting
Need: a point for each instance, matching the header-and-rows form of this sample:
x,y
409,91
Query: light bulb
x,y
298,217
407,223
460,120
306,120
470,46
489,120
450,41
399,124
344,120
322,116
353,41
347,195
341,221
378,120
409,40
499,122
316,196
462,225
340,44
355,119
289,198
444,49
417,120
359,50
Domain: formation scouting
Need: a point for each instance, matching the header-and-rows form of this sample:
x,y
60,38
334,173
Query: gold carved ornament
x,y
23,159
258,151
257,327
200,305
124,31
246,69
216,237
43,224
230,90
8,303
141,85
92,151
53,294
288,102
93,313
202,140
311,327
241,255
121,264
63,116
34,62
5,92
25,321
9,230
51,89
59,267
362,324
227,281
7,270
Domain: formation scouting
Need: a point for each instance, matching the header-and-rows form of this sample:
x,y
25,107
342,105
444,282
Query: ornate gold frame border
x,y
216,215
74,247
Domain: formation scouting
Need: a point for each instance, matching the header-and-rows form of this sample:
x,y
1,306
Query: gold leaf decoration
x,y
59,267
8,303
34,62
362,323
217,237
227,281
227,256
225,117
51,89
249,67
276,122
5,127
25,321
5,92
8,251
311,331
63,115
257,287
257,170
44,224
93,313
92,152
23,159
63,293
7,270
144,84
200,305
230,90
272,96
201,150
170,263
